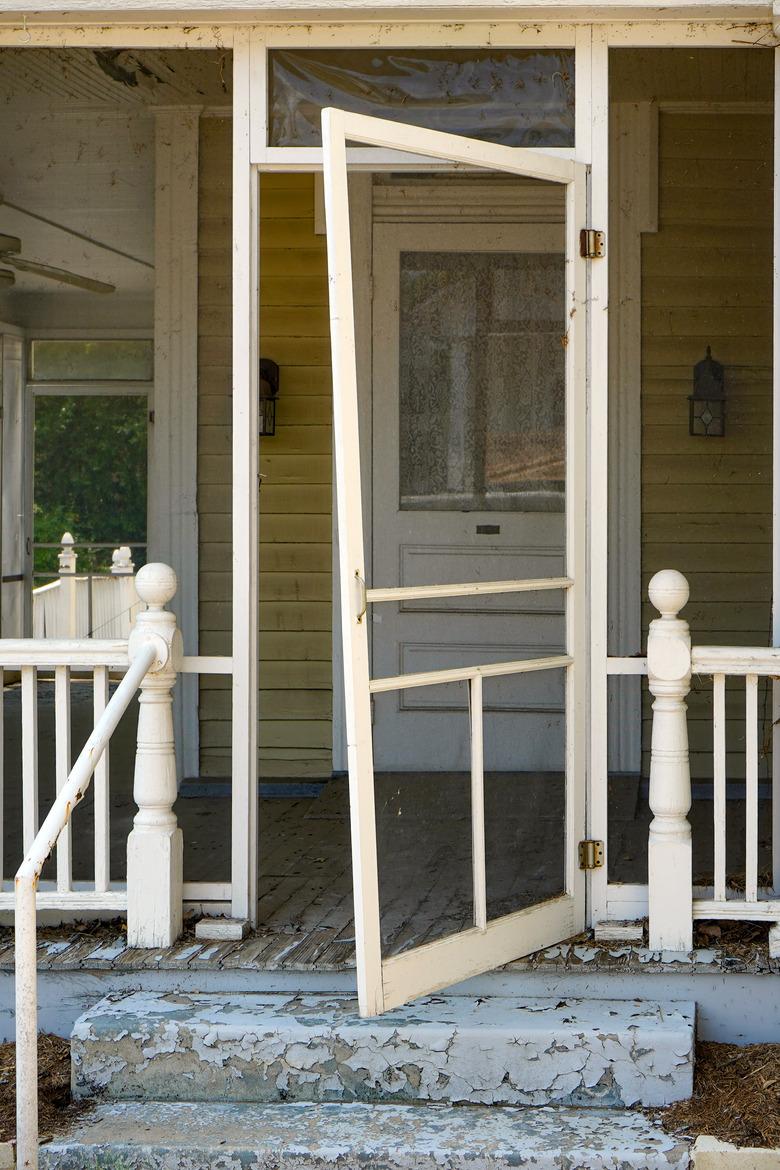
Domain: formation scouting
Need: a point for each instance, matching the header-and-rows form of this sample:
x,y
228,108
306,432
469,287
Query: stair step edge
x,y
156,1135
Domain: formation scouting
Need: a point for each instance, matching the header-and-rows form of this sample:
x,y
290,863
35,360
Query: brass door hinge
x,y
591,854
593,244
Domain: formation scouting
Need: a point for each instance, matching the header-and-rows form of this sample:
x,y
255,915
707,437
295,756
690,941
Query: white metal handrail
x,y
27,876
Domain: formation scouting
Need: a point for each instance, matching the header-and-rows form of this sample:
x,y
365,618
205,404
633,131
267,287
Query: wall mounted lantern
x,y
268,393
707,404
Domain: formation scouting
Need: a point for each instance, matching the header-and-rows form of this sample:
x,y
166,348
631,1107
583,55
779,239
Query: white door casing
x,y
386,982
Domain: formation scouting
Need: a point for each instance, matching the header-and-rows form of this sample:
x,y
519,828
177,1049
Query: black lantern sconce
x,y
269,392
707,404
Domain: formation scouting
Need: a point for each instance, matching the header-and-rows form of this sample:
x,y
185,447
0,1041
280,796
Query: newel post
x,y
155,847
66,567
670,866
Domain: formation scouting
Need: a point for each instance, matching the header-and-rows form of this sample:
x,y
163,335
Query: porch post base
x,y
154,887
670,894
774,940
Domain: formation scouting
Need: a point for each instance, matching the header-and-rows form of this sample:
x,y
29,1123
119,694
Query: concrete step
x,y
453,1049
154,1136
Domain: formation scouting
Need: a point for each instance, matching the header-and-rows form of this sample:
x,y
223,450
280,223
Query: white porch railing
x,y
671,660
154,850
78,605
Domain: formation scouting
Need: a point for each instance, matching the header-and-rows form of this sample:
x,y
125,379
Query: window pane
x,y
482,381
97,361
90,475
519,97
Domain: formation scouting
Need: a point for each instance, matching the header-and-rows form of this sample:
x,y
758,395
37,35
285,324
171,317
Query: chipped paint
x,y
455,1049
136,1136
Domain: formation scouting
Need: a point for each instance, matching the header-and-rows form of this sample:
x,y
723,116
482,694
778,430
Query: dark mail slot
x,y
488,529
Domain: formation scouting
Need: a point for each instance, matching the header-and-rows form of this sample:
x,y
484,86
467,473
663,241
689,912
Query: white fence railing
x,y
671,660
81,605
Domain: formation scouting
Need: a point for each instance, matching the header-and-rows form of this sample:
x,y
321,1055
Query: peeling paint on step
x,y
499,1050
154,1136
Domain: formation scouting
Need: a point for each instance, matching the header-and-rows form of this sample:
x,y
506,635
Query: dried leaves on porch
x,y
736,1095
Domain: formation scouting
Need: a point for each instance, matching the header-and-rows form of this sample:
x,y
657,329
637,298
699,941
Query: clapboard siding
x,y
295,498
706,503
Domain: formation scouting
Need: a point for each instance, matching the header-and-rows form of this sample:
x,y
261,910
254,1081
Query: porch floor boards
x,y
305,886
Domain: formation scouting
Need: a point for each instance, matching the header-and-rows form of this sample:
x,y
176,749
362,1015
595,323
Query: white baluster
x,y
154,847
670,873
67,625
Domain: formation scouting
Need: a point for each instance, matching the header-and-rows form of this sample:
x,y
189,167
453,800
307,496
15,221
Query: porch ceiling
x,y
108,77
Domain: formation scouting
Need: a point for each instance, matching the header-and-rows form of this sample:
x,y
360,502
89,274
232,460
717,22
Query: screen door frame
x,y
386,983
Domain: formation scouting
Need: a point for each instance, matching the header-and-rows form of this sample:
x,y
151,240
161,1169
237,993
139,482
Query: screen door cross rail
x,y
432,678
468,589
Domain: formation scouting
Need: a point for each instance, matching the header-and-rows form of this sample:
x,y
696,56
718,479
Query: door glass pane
x,y
518,97
482,381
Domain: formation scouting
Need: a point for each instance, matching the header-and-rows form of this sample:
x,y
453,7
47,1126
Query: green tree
x,y
90,474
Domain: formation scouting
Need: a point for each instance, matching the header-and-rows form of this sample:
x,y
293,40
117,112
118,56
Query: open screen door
x,y
513,908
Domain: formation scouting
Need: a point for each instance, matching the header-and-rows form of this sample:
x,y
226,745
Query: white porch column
x,y
15,558
670,865
246,538
776,485
155,845
173,467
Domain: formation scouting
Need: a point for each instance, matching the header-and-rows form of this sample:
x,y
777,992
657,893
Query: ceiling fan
x,y
11,246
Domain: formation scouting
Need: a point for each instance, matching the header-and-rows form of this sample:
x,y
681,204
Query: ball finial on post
x,y
156,584
668,592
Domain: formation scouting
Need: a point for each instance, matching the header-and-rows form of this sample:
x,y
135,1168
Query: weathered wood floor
x,y
305,887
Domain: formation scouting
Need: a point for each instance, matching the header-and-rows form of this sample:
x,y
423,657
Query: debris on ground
x,y
736,1095
737,940
56,1108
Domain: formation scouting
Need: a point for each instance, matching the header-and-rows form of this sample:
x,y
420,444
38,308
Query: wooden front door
x,y
468,456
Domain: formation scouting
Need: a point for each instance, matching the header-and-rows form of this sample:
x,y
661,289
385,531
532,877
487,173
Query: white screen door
x,y
498,929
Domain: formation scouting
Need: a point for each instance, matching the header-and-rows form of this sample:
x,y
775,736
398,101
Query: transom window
x,y
518,97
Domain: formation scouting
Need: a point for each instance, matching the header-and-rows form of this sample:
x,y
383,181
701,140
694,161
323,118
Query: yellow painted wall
x,y
707,280
295,498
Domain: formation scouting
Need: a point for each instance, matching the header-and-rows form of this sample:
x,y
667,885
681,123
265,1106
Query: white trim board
x,y
180,18
634,210
703,22
245,496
